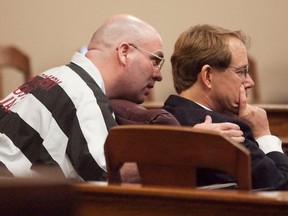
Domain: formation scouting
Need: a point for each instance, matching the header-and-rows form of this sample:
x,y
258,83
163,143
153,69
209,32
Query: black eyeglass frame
x,y
242,70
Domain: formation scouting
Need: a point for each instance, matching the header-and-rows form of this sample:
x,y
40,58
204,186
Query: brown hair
x,y
200,45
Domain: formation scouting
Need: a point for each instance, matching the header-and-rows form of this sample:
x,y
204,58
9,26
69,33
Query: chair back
x,y
170,155
127,112
11,56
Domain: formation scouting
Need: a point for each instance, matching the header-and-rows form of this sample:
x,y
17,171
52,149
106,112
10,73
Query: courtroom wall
x,y
50,31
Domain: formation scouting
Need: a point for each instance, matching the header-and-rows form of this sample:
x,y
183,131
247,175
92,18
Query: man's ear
x,y
123,50
205,75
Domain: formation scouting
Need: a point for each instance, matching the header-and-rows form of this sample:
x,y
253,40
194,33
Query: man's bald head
x,y
129,72
119,28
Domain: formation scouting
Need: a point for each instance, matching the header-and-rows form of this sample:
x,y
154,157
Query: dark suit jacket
x,y
269,171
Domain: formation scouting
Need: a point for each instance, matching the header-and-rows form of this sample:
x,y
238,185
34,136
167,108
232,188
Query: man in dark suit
x,y
210,73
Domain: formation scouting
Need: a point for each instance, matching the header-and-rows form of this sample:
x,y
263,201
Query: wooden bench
x,y
97,199
41,197
278,120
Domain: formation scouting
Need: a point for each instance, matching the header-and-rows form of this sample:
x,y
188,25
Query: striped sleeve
x,y
55,119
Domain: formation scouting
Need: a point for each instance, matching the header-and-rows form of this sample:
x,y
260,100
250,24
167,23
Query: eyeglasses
x,y
241,71
158,61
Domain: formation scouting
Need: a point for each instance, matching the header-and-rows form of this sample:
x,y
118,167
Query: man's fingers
x,y
238,139
229,126
233,133
228,129
236,135
208,119
242,100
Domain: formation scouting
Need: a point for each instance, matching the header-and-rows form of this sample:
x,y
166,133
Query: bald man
x,y
60,118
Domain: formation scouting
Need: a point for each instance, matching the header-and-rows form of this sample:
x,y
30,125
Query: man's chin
x,y
232,112
140,100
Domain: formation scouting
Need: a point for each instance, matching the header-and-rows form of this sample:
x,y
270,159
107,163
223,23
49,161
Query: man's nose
x,y
248,83
157,76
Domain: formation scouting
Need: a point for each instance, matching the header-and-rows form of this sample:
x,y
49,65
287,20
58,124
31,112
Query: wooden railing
x,y
41,197
278,120
94,199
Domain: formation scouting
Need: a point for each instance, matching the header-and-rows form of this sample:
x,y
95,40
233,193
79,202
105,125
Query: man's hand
x,y
256,117
228,129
